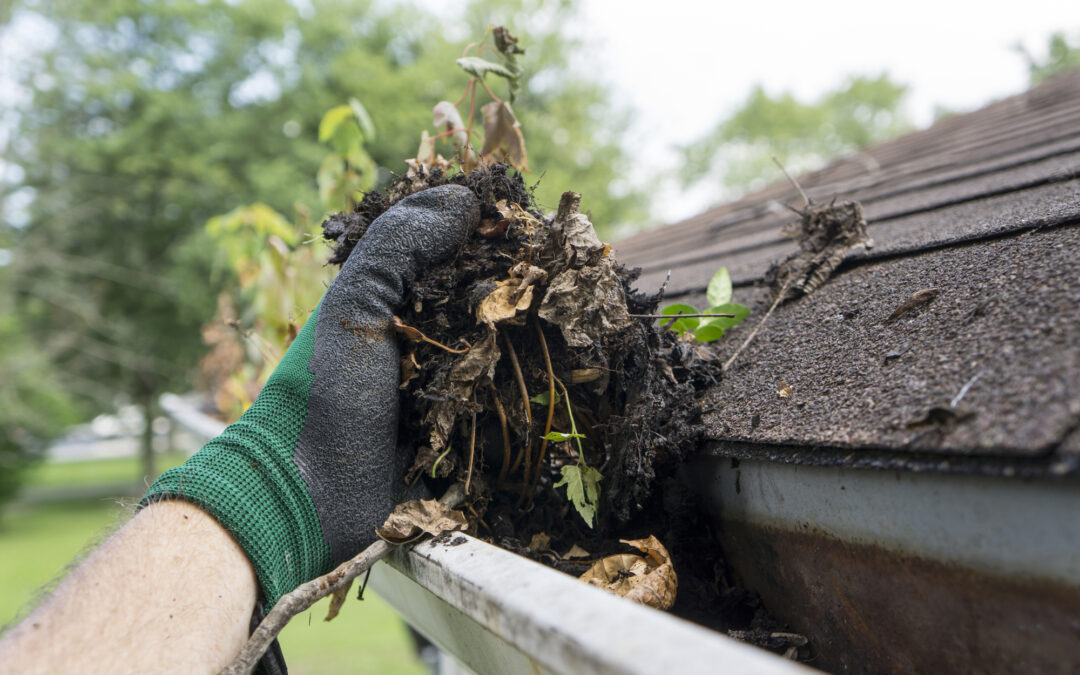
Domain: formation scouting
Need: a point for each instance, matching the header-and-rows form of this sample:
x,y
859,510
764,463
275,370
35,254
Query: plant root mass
x,y
525,377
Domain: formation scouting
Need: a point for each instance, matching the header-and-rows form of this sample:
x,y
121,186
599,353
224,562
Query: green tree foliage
x,y
142,120
34,400
1062,56
737,152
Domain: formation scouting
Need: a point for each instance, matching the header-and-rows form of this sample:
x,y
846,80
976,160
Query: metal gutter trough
x,y
496,612
902,571
493,612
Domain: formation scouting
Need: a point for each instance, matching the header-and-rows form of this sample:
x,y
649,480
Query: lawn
x,y
40,539
102,471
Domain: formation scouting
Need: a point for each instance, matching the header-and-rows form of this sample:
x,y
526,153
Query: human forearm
x,y
171,591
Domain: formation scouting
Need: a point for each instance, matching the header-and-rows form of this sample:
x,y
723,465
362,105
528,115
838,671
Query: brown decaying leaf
x,y
514,214
337,600
586,300
576,552
502,135
917,300
508,303
445,114
490,228
466,372
410,369
785,390
540,542
647,580
412,519
825,234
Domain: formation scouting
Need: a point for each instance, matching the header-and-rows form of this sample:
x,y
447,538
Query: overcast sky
x,y
684,64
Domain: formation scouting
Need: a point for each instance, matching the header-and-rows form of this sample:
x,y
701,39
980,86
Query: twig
x,y
490,93
519,376
414,334
501,412
757,328
472,453
964,390
806,200
527,451
675,317
307,594
551,413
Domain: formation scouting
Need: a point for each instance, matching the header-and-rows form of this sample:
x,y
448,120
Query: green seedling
x,y
707,329
582,481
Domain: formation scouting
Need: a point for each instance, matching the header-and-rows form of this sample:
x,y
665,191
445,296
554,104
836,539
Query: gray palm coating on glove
x,y
347,450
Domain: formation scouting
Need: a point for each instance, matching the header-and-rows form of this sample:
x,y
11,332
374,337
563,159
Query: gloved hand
x,y
305,476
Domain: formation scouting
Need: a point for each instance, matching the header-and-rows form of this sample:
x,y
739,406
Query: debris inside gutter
x,y
531,373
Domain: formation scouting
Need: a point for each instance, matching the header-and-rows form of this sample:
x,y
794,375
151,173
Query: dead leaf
x,y
508,303
584,375
785,390
529,274
337,600
576,552
540,542
587,304
502,135
410,369
647,580
490,228
825,234
413,519
445,114
917,300
515,215
478,362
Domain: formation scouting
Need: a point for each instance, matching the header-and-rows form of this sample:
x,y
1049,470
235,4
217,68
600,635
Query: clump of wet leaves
x,y
524,373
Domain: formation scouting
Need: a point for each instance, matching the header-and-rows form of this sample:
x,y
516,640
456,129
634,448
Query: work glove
x,y
305,476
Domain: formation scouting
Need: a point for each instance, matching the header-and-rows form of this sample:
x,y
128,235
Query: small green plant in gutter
x,y
581,480
707,329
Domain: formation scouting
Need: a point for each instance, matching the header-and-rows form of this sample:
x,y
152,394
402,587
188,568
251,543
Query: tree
x,y
1062,56
34,399
737,152
142,120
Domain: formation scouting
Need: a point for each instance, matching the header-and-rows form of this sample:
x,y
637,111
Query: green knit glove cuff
x,y
247,480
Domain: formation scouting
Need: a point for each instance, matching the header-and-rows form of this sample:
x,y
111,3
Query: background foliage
x,y
140,121
737,153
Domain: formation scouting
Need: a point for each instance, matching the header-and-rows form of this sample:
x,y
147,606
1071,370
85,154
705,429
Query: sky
x,y
682,65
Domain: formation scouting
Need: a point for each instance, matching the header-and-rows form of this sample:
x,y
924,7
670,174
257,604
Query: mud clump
x,y
535,304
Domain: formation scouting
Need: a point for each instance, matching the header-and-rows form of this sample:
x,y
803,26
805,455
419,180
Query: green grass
x,y
102,471
39,541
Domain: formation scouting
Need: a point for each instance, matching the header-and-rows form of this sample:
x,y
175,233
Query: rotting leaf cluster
x,y
532,375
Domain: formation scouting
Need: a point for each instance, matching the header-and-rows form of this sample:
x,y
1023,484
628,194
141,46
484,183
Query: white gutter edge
x,y
497,612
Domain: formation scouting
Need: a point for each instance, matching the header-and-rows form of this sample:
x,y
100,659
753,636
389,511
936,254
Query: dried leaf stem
x,y
307,594
415,335
550,414
757,329
501,412
526,452
472,452
675,317
519,376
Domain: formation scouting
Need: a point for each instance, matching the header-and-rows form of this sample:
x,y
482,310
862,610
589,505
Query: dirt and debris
x,y
825,233
917,300
532,370
648,579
